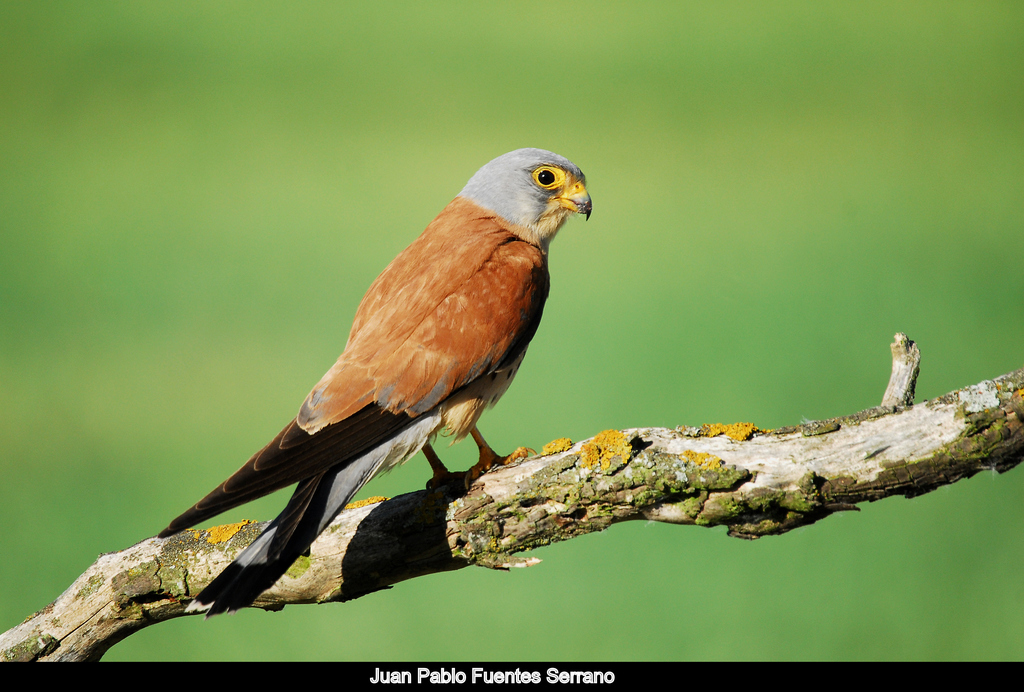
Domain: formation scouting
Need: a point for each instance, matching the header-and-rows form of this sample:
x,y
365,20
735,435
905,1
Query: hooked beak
x,y
577,199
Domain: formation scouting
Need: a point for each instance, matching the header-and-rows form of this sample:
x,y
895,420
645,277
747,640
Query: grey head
x,y
533,188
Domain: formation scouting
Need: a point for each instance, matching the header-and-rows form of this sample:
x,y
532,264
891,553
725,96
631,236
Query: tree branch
x,y
755,482
906,362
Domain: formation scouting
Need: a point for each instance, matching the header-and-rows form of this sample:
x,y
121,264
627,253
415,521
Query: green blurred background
x,y
194,197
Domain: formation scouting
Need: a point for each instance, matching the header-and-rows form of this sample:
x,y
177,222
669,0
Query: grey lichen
x,y
569,498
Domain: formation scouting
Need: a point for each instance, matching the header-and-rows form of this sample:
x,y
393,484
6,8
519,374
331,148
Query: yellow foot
x,y
444,478
488,460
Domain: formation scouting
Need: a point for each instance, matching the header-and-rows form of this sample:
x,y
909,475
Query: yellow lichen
x,y
702,459
219,534
556,446
603,448
737,431
368,501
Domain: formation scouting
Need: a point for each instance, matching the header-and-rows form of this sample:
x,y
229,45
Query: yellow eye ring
x,y
549,177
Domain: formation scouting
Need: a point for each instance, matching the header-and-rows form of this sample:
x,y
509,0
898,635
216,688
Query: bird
x,y
435,341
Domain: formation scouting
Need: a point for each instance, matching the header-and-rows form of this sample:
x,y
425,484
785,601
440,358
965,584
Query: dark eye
x,y
548,177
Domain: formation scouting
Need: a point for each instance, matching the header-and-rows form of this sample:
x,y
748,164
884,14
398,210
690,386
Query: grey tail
x,y
268,557
314,504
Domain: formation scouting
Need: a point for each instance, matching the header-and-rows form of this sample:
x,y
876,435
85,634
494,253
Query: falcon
x,y
437,339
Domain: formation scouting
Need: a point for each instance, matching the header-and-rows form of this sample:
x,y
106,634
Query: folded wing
x,y
460,303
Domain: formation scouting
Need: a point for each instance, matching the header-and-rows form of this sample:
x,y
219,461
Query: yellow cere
x,y
569,199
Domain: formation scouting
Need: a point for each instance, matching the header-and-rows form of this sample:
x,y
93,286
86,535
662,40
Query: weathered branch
x,y
754,482
906,364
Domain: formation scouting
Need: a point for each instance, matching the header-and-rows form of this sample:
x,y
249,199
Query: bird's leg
x,y
441,473
490,458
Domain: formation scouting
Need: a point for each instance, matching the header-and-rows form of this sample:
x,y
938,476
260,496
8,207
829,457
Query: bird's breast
x,y
463,409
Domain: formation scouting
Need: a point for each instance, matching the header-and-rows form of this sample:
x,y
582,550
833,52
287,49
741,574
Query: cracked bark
x,y
756,483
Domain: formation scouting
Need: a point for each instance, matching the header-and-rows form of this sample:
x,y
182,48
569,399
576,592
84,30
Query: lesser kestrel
x,y
436,340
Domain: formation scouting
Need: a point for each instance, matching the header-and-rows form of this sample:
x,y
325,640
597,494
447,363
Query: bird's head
x,y
534,189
